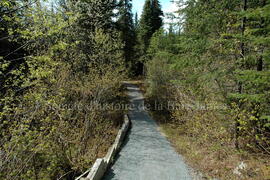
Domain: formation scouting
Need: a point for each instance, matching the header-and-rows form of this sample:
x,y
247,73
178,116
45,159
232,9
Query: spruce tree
x,y
150,22
127,30
156,17
145,31
253,73
136,21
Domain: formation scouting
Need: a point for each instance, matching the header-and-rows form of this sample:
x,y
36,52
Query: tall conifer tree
x,y
136,21
145,31
156,15
127,29
150,22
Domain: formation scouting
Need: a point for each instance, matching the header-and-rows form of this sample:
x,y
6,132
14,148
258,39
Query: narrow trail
x,y
146,153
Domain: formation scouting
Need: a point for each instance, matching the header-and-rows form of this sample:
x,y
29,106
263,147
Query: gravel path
x,y
146,153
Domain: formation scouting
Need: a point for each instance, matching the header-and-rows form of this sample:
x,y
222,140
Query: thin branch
x,y
14,10
17,49
11,60
65,174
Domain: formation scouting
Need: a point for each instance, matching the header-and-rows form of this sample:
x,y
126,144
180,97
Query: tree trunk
x,y
262,25
240,86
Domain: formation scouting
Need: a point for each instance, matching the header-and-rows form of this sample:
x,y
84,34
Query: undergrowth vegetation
x,y
212,80
62,63
65,65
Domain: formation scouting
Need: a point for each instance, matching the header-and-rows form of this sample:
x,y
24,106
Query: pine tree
x,y
150,22
145,31
156,17
127,29
136,22
97,14
253,73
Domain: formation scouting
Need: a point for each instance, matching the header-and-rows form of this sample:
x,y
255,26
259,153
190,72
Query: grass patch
x,y
214,160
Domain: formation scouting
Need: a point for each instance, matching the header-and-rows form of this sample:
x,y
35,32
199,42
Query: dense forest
x,y
54,61
61,62
213,65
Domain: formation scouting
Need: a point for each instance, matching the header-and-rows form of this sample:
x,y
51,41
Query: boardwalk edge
x,y
97,171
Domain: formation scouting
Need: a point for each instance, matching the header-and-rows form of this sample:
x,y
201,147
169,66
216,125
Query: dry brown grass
x,y
214,160
204,138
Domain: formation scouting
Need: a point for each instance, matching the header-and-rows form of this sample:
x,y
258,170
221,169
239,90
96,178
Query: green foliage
x,y
150,22
220,57
69,65
5,3
128,34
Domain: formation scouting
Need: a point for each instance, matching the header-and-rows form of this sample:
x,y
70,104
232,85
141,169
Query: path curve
x,y
146,153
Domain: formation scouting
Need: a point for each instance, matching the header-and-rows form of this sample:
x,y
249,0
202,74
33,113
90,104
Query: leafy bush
x,y
216,72
52,121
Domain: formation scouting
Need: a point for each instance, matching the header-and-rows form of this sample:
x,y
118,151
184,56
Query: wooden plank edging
x,y
100,166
